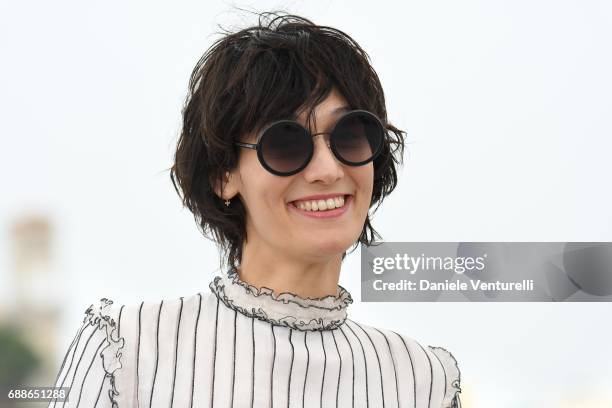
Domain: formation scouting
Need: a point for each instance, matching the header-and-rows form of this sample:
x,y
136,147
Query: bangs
x,y
284,68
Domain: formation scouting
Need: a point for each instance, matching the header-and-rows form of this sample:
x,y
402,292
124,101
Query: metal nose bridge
x,y
322,133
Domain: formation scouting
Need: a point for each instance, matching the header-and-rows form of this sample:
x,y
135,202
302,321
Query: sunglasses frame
x,y
331,144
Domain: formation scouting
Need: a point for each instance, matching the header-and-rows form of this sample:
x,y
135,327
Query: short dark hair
x,y
252,77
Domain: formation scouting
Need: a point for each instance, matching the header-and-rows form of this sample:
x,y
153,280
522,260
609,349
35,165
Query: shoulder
x,y
126,325
452,375
179,304
118,320
103,315
141,317
93,355
435,365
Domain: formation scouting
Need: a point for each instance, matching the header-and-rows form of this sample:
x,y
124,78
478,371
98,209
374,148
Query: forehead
x,y
323,115
329,109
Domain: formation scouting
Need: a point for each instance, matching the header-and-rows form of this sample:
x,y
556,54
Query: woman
x,y
285,147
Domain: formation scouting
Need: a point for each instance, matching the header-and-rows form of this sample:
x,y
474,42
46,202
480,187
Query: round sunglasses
x,y
285,147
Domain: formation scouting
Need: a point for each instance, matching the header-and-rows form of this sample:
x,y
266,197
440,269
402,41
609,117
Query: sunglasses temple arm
x,y
247,145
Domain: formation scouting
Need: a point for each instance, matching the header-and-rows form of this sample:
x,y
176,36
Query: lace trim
x,y
453,377
456,402
286,309
111,353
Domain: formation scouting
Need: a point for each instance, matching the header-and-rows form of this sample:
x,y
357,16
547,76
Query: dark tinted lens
x,y
285,146
357,137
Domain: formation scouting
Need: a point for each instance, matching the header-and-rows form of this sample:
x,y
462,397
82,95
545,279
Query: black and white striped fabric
x,y
241,346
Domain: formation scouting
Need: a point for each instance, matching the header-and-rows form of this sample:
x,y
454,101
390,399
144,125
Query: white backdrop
x,y
507,109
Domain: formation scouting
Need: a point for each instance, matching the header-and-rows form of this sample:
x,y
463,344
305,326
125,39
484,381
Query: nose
x,y
323,166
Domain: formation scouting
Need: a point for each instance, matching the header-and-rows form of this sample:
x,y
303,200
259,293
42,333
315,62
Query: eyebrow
x,y
341,109
335,112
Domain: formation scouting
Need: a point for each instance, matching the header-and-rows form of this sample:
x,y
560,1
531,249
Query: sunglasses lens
x,y
358,137
285,147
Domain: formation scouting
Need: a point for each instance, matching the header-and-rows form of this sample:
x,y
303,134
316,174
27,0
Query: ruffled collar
x,y
286,309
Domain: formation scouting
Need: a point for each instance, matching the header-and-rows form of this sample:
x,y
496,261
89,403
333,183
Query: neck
x,y
266,267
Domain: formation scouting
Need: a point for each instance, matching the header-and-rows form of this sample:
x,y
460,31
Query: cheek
x,y
252,185
366,186
264,194
364,179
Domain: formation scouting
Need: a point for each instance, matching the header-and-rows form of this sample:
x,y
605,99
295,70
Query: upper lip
x,y
321,196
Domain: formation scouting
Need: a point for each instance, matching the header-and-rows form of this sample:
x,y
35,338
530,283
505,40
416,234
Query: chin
x,y
330,247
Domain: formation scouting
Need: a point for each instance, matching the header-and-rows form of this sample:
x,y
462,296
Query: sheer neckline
x,y
286,309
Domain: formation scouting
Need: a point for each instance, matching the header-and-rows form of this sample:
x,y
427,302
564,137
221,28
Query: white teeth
x,y
321,205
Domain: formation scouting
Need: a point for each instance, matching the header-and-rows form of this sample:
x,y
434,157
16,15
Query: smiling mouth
x,y
322,205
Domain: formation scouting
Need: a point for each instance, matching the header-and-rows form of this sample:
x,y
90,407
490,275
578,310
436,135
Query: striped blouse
x,y
242,346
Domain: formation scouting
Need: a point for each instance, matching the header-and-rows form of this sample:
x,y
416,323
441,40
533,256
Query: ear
x,y
227,188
